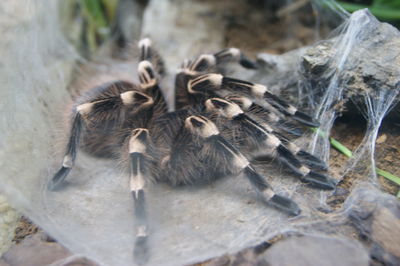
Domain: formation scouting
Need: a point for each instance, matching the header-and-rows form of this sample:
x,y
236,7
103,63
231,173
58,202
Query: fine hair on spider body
x,y
220,127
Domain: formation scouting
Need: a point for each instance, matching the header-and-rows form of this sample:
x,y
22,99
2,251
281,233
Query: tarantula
x,y
220,126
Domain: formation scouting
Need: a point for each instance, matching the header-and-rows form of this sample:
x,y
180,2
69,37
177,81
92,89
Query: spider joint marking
x,y
67,161
258,90
304,170
201,126
137,142
272,141
85,108
142,231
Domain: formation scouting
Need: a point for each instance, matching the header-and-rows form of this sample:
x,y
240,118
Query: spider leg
x,y
218,82
147,52
234,54
304,156
91,113
70,154
206,62
139,174
280,202
265,115
212,147
265,143
189,70
203,64
148,77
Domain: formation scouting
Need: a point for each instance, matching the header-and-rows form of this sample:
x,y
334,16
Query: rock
x,y
379,254
279,72
35,251
362,59
316,250
8,222
386,230
377,218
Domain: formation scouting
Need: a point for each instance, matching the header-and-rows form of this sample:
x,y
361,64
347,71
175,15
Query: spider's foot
x,y
312,160
140,250
58,179
247,63
320,181
285,204
282,203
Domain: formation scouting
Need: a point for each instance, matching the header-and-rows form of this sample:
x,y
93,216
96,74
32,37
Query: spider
x,y
220,126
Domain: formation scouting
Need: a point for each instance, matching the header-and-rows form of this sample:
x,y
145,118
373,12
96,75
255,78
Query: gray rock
x,y
8,222
377,218
280,73
364,58
36,251
316,250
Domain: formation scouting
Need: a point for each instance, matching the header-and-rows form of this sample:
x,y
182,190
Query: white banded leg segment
x,y
137,156
105,109
244,103
241,164
228,54
85,108
203,83
147,75
305,173
234,54
145,49
186,68
261,92
238,163
251,128
203,63
109,108
305,157
238,160
70,154
138,172
207,130
269,143
289,109
223,107
265,190
265,115
104,106
140,249
135,97
201,126
148,53
237,85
